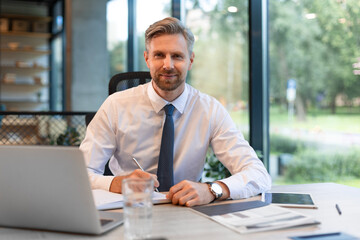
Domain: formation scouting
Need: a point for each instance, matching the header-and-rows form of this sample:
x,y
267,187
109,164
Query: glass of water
x,y
137,207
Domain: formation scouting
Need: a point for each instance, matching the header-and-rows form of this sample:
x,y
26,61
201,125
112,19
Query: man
x,y
130,124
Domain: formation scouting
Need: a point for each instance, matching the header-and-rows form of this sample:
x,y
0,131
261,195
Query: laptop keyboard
x,y
103,222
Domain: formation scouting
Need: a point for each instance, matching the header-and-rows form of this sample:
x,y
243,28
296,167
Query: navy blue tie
x,y
165,171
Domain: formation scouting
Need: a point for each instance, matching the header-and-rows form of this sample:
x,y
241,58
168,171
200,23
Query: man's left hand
x,y
190,194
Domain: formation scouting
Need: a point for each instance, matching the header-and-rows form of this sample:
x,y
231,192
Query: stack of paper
x,y
263,219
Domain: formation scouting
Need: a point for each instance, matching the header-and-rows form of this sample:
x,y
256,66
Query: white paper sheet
x,y
263,219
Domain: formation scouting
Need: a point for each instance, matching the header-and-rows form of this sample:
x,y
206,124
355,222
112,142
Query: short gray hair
x,y
169,25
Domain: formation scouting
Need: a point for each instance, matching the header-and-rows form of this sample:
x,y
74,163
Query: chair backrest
x,y
88,117
122,81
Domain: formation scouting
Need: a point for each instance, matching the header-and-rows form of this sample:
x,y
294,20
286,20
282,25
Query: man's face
x,y
169,60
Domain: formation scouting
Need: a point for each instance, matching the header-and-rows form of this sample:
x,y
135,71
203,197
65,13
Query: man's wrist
x,y
215,190
225,190
116,184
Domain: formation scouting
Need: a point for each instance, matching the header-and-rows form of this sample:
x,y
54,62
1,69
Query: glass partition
x,y
117,35
221,67
148,12
315,91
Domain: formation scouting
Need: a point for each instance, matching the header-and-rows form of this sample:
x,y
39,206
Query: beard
x,y
168,84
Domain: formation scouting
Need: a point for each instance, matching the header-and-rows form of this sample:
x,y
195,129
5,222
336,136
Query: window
x,y
117,35
220,67
147,12
314,91
57,59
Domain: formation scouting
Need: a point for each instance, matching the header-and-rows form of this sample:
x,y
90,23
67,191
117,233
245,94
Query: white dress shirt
x,y
129,124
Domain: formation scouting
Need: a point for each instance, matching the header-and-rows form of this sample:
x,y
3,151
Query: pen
x,y
137,163
338,209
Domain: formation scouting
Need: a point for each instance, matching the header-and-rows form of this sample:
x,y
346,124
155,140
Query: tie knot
x,y
169,109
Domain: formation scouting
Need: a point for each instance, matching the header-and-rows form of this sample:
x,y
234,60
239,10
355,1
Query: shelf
x,y
24,71
23,105
27,17
24,39
22,54
26,34
25,58
21,87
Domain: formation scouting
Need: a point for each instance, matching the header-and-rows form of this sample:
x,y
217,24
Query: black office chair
x,y
88,117
120,82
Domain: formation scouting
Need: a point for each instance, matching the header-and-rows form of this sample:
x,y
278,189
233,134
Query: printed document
x,y
263,219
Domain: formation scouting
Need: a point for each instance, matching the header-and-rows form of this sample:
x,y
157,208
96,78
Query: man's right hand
x,y
116,184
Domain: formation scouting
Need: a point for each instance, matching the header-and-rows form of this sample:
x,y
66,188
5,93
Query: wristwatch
x,y
215,189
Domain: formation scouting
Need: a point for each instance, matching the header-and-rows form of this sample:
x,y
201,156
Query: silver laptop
x,y
43,187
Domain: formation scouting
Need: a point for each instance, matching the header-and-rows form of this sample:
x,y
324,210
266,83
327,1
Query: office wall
x,y
89,56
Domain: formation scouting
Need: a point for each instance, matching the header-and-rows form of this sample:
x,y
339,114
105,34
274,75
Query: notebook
x,y
105,200
48,188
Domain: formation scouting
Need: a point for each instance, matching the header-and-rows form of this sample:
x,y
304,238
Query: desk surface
x,y
175,222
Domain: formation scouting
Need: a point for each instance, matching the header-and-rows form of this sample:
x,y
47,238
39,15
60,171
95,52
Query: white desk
x,y
181,223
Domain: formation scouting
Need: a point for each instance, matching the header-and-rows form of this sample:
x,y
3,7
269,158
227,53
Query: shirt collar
x,y
158,102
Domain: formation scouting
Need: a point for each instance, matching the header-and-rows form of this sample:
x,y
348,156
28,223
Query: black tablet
x,y
286,199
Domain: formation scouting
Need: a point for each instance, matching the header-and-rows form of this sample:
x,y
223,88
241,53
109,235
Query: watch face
x,y
216,188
